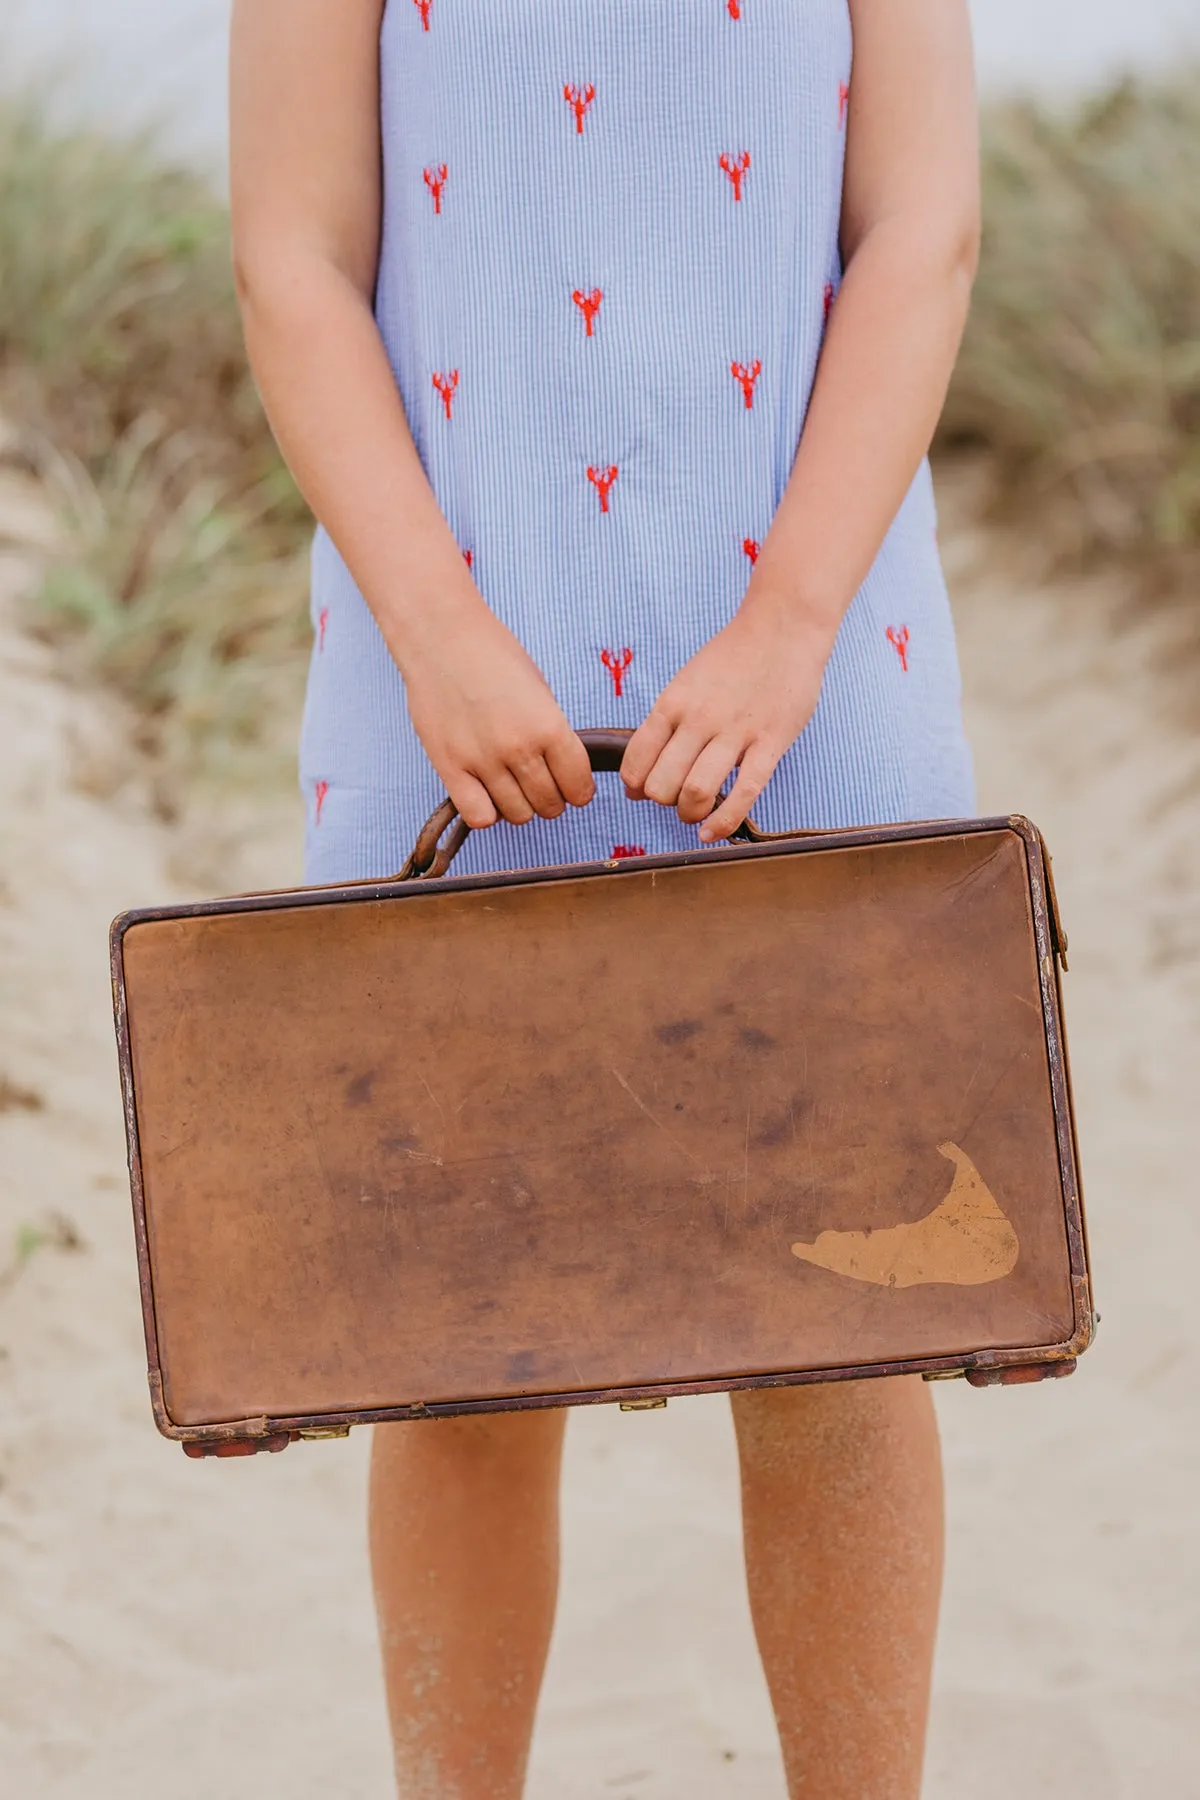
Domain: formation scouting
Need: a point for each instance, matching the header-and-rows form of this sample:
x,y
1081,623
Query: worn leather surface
x,y
560,1135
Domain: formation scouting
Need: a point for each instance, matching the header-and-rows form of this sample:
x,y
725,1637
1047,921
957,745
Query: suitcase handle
x,y
605,747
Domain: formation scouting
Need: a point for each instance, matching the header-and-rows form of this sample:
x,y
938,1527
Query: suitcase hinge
x,y
1056,925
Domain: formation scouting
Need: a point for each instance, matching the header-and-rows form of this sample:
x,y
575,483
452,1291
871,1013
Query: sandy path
x,y
173,1630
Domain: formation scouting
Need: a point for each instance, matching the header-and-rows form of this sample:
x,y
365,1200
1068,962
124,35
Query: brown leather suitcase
x,y
788,1109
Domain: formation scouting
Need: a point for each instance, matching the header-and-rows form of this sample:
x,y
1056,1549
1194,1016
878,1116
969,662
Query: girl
x,y
606,339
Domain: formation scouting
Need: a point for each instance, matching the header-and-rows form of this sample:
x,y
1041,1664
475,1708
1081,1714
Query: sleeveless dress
x,y
609,250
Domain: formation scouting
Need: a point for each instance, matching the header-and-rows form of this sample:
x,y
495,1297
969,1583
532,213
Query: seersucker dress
x,y
609,249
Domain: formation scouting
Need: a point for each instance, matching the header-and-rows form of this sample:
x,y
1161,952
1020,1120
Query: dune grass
x,y
182,577
1080,372
181,581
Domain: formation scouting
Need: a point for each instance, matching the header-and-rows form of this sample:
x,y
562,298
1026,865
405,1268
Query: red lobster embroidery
x,y
588,304
602,480
750,546
445,385
843,101
322,622
423,8
435,181
829,299
747,377
616,662
620,850
320,790
899,642
468,557
735,170
579,101
733,9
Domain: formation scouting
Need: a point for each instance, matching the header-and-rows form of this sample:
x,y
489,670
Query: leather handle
x,y
605,747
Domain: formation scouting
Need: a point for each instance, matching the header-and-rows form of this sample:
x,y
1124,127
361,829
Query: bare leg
x,y
842,1512
464,1554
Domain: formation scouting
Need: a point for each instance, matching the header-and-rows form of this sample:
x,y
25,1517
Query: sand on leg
x,y
464,1534
842,1512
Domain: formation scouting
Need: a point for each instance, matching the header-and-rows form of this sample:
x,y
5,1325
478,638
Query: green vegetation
x,y
57,1233
183,572
1080,372
182,579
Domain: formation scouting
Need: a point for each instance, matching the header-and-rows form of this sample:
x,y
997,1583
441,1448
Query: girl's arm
x,y
910,240
306,189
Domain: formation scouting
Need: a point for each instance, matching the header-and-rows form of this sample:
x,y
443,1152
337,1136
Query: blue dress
x,y
609,249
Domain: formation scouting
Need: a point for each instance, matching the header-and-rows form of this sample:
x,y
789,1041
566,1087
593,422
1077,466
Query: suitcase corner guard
x,y
1017,1373
251,1444
238,1446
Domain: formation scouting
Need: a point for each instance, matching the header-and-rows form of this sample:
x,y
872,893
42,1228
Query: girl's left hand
x,y
740,702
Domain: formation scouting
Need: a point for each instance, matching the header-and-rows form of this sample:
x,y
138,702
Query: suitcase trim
x,y
1051,948
988,1368
1050,944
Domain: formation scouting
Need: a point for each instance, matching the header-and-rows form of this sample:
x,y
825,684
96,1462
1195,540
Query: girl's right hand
x,y
490,725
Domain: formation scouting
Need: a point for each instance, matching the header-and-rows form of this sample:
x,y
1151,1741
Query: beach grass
x,y
1080,371
181,577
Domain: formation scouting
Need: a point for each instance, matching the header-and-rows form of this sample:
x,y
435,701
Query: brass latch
x,y
313,1433
652,1405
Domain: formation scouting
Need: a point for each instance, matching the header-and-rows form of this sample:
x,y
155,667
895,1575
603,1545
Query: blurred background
x,y
169,1629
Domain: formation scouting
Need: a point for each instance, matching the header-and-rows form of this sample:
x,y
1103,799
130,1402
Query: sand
x,y
172,1630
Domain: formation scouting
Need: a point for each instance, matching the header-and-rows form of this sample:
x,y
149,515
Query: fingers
x,y
473,801
643,751
508,797
685,774
529,782
674,765
548,778
757,768
706,777
537,784
571,768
